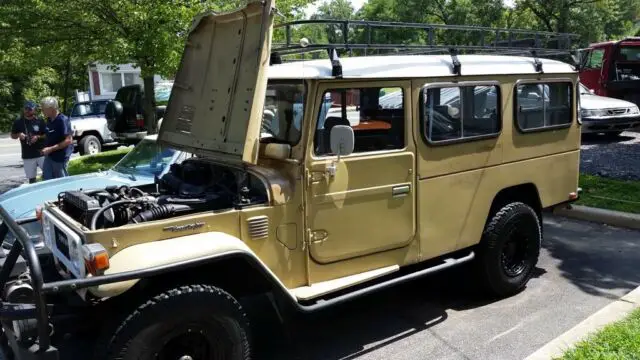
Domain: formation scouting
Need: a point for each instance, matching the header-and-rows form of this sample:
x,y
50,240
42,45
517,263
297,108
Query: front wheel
x,y
89,145
509,249
190,322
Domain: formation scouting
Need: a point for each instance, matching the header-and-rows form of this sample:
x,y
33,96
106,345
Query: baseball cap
x,y
30,105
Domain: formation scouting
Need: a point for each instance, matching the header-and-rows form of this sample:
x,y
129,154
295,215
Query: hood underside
x,y
215,107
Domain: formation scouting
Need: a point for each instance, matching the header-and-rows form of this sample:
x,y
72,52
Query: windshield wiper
x,y
127,171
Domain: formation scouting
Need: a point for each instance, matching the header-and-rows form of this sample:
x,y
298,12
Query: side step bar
x,y
321,304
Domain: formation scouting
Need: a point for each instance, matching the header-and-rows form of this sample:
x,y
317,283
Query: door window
x,y
376,115
596,57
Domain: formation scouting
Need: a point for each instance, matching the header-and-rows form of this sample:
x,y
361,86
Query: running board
x,y
321,304
305,293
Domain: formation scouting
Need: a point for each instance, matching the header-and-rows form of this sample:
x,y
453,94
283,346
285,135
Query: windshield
x,y
283,112
162,92
148,158
89,109
584,90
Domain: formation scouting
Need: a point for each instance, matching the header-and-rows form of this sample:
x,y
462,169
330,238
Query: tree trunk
x,y
65,93
150,105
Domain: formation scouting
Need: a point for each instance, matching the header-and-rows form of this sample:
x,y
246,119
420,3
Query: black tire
x,y
89,145
509,249
613,134
200,315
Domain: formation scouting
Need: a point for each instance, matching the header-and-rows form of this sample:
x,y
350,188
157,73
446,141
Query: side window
x,y
455,113
376,115
543,105
596,57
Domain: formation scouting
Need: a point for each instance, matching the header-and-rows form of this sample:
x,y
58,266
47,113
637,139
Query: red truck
x,y
612,69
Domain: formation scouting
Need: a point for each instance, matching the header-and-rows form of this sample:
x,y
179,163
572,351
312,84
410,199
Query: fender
x,y
176,254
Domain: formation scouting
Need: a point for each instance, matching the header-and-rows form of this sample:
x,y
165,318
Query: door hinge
x,y
306,240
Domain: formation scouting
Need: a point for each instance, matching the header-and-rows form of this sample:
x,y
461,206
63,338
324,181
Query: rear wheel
x,y
509,249
89,145
189,322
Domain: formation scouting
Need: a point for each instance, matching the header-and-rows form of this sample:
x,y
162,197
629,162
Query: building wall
x,y
104,82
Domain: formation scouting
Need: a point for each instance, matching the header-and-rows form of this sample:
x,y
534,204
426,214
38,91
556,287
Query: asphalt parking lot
x,y
583,267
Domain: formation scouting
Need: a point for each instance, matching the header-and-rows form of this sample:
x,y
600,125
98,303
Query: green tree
x,y
147,33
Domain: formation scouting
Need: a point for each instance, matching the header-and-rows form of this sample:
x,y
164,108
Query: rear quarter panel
x,y
457,183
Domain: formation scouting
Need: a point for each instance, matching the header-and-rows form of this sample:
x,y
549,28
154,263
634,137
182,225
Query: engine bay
x,y
192,186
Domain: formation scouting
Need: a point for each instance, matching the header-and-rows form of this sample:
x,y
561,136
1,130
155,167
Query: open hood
x,y
215,107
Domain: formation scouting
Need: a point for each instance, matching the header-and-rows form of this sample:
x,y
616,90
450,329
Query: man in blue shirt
x,y
59,142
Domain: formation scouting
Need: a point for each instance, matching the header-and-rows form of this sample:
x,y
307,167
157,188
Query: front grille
x,y
617,111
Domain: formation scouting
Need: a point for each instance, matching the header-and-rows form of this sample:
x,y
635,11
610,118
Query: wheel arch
x,y
211,258
526,193
95,133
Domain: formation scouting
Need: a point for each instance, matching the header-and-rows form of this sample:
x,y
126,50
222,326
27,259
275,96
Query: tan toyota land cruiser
x,y
315,181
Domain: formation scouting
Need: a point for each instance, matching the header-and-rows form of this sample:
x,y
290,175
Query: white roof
x,y
411,66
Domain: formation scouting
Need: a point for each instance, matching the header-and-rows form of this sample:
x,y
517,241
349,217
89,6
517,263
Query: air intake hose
x,y
160,212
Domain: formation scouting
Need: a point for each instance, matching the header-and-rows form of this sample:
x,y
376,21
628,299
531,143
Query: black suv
x,y
125,114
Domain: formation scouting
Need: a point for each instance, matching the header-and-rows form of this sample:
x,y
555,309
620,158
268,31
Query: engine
x,y
189,187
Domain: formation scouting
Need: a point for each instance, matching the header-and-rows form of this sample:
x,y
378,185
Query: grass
x,y
610,194
93,163
619,340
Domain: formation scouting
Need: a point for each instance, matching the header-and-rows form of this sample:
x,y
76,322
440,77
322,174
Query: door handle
x,y
402,190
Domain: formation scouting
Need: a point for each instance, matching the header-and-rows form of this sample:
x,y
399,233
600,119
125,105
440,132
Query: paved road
x,y
583,267
11,171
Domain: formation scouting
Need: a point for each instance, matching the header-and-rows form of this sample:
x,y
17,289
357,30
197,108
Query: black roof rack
x,y
355,37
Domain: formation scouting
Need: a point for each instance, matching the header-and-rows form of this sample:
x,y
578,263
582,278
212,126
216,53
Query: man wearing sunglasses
x,y
31,130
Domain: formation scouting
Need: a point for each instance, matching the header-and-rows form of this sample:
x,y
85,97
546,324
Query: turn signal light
x,y
96,258
39,213
573,196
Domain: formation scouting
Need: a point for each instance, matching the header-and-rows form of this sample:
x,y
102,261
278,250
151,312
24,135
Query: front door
x,y
591,73
368,204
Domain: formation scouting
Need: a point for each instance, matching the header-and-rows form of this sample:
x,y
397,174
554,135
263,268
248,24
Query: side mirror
x,y
342,140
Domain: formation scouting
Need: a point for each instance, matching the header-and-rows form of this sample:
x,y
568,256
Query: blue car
x,y
138,167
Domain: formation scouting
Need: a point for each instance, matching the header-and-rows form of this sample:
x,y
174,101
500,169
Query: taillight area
x,y
139,120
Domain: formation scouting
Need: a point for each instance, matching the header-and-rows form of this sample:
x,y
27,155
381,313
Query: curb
x,y
613,312
609,217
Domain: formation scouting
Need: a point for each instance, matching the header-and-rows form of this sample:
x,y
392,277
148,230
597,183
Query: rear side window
x,y
453,114
541,106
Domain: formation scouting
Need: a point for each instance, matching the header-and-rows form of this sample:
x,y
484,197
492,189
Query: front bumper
x,y
610,124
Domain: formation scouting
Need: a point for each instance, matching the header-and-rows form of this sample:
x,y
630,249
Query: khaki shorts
x,y
31,166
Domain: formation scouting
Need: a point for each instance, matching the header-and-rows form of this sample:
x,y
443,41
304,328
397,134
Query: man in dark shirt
x,y
59,143
31,130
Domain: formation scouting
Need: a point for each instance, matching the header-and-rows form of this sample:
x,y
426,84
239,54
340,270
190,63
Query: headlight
x,y
634,110
47,232
593,113
75,253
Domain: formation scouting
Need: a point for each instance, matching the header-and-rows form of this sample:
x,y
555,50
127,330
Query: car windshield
x,y
89,109
162,92
148,158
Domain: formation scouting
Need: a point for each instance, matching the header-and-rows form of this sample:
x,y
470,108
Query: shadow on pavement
x,y
602,265
370,323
